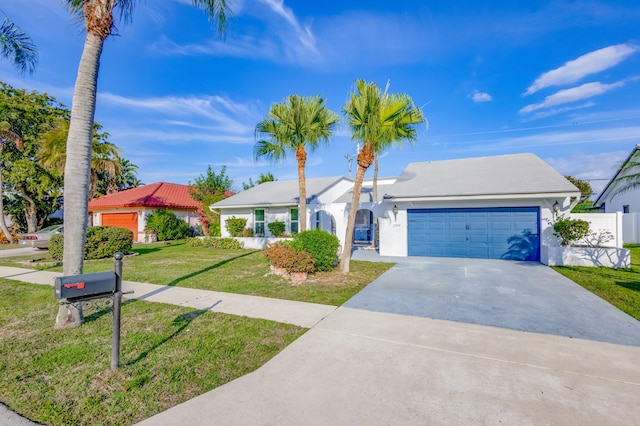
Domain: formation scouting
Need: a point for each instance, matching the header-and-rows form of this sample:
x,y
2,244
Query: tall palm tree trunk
x,y
365,158
77,169
301,156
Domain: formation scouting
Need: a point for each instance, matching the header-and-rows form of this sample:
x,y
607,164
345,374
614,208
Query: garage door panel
x,y
122,220
507,233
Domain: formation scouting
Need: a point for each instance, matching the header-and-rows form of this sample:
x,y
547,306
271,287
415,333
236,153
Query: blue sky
x,y
560,79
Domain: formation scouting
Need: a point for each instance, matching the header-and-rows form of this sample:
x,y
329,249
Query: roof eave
x,y
485,197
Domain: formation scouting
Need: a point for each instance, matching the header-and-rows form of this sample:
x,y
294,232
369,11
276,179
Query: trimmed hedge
x,y
216,243
101,242
321,245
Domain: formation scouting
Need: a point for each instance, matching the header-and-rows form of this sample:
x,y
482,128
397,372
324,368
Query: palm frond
x,y
16,44
218,10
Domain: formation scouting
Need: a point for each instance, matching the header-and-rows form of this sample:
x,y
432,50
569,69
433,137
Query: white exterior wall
x,y
614,203
393,230
225,214
188,216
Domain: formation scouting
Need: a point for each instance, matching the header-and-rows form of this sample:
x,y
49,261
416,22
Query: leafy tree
x,y
379,121
208,189
98,17
296,125
585,187
268,177
24,118
17,45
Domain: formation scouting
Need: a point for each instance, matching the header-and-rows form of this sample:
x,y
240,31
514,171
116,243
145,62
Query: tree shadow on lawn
x,y
208,268
183,320
631,285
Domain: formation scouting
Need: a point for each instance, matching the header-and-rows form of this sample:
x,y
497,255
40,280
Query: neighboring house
x,y
610,201
130,208
489,207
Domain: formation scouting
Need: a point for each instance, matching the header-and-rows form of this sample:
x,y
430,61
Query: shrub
x,y
105,241
216,243
570,230
56,246
168,226
235,225
101,242
321,245
283,255
277,228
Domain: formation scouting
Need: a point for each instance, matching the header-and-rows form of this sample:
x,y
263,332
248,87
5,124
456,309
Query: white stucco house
x,y
490,207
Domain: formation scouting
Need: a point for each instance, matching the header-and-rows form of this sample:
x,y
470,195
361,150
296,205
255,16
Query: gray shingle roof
x,y
280,192
499,175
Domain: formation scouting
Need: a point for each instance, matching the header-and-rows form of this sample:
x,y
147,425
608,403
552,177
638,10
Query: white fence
x,y
603,223
631,228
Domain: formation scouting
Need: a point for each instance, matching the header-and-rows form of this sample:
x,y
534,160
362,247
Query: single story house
x,y
610,200
130,208
490,207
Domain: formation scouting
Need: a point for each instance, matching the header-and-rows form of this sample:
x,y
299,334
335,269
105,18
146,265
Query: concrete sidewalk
x,y
286,311
374,368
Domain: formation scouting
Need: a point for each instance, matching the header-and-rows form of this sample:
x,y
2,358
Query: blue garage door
x,y
495,233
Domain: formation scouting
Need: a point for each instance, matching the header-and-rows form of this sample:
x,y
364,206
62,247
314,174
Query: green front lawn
x,y
169,354
235,271
620,287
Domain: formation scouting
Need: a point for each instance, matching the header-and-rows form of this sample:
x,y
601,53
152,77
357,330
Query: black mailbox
x,y
85,286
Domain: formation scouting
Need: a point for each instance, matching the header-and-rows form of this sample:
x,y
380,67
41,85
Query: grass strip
x,y
169,354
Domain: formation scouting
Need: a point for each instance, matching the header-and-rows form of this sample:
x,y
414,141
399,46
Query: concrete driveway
x,y
382,359
526,296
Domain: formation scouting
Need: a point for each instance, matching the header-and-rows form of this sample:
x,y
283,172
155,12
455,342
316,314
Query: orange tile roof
x,y
160,194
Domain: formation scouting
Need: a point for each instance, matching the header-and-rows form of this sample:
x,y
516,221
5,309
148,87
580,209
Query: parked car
x,y
41,238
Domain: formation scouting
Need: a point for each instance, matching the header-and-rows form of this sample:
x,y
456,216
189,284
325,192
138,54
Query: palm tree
x,y
16,44
98,17
297,124
105,156
378,121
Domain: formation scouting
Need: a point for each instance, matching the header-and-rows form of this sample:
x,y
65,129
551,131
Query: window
x,y
317,226
258,222
625,208
294,221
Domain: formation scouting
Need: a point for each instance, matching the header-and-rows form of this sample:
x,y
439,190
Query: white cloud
x,y
305,36
277,42
574,94
222,114
480,97
590,63
556,111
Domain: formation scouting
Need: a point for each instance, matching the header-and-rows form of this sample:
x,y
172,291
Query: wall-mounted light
x,y
556,209
139,212
395,211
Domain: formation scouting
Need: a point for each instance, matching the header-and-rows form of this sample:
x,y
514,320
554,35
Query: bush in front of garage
x,y
101,242
168,226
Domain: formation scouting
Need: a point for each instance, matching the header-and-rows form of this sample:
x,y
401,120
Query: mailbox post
x,y
77,289
117,305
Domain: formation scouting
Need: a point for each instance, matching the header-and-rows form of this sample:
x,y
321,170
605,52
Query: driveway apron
x,y
526,296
